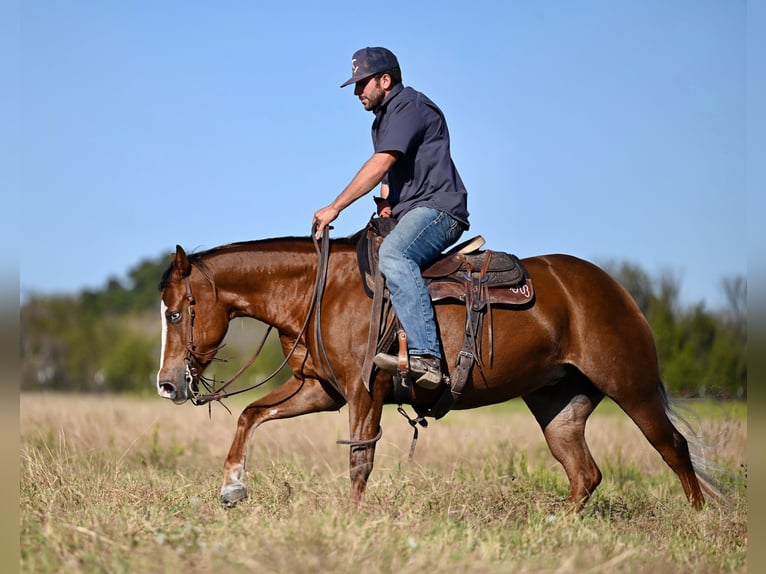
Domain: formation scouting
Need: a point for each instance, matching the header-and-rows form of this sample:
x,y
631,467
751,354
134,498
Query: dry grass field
x,y
117,484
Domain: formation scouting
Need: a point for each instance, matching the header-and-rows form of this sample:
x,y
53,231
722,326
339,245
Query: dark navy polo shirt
x,y
408,122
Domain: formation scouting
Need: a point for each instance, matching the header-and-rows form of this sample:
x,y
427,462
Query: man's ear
x,y
386,82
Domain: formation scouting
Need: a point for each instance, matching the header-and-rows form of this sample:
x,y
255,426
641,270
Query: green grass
x,y
122,485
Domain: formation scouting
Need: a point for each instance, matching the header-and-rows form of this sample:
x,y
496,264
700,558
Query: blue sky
x,y
610,130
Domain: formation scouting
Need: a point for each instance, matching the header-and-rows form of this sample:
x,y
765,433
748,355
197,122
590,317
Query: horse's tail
x,y
699,447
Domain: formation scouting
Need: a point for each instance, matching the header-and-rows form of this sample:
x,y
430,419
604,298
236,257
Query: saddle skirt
x,y
496,278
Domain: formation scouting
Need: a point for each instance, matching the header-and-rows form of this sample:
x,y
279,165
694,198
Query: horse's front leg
x,y
293,398
364,412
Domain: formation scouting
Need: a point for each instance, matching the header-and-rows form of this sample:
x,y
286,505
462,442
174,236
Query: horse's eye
x,y
174,316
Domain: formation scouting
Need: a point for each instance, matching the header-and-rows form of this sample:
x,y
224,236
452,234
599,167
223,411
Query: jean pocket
x,y
455,229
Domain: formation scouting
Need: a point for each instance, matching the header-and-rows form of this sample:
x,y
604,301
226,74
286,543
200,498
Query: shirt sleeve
x,y
402,127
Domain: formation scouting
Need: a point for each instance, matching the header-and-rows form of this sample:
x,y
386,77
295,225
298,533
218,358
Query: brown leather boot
x,y
426,370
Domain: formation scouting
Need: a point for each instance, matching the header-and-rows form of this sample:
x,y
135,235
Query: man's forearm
x,y
367,177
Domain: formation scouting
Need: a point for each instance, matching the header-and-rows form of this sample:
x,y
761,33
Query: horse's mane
x,y
197,258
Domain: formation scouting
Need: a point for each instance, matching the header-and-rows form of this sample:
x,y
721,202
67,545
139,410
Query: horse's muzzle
x,y
168,390
178,385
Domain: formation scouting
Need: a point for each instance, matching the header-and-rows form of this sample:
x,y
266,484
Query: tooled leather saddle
x,y
478,278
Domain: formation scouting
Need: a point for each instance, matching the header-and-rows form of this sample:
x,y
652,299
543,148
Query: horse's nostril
x,y
167,390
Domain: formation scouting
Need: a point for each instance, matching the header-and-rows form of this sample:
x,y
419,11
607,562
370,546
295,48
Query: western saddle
x,y
479,279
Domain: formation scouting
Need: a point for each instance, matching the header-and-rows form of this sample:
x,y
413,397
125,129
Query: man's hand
x,y
323,218
383,209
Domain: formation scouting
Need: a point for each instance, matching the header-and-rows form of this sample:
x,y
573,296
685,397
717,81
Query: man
x,y
423,191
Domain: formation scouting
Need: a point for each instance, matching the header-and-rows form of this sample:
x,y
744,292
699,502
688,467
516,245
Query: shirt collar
x,y
391,95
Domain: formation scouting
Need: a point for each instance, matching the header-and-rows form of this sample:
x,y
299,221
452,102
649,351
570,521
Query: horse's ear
x,y
181,263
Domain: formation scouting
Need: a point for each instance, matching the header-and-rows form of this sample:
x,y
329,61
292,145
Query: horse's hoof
x,y
233,493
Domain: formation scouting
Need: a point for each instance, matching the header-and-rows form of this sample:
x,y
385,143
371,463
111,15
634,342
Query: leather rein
x,y
193,357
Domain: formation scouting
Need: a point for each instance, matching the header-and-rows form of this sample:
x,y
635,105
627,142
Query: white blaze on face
x,y
163,311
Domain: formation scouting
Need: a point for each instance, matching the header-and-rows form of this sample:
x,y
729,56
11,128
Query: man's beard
x,y
374,99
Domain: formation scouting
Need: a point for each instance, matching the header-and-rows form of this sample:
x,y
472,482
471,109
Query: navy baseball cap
x,y
368,62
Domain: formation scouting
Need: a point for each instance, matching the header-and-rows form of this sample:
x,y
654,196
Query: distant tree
x,y
138,293
57,343
143,283
43,350
728,354
735,291
700,353
634,279
130,361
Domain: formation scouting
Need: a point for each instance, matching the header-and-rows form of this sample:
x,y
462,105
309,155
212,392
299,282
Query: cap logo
x,y
354,66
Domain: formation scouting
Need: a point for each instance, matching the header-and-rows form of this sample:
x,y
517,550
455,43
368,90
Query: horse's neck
x,y
271,282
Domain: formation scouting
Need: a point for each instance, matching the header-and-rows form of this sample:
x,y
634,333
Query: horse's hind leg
x,y
293,398
650,413
561,410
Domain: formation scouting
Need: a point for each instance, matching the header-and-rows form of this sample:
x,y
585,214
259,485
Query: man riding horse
x,y
584,339
420,188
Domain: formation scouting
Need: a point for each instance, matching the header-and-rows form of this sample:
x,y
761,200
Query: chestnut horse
x,y
583,338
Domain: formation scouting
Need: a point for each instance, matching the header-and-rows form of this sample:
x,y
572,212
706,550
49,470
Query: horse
x,y
582,339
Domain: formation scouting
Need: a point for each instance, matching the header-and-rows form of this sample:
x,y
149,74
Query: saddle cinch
x,y
479,279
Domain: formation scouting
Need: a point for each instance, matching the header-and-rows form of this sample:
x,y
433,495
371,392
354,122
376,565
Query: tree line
x,y
108,340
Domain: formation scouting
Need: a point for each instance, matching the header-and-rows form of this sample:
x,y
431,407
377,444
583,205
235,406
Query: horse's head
x,y
194,322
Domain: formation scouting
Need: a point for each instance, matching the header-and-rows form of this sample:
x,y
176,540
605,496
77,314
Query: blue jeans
x,y
419,237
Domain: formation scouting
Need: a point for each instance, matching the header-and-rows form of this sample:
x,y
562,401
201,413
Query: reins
x,y
192,373
323,253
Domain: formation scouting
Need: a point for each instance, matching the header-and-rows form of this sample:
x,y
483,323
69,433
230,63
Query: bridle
x,y
193,357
